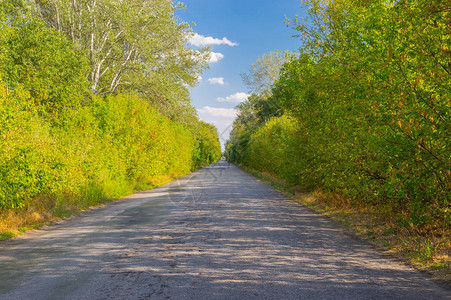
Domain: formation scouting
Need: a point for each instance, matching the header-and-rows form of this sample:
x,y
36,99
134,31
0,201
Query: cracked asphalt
x,y
217,233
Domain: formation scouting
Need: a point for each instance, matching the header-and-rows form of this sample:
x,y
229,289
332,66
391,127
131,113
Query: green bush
x,y
99,151
29,158
274,148
370,95
58,141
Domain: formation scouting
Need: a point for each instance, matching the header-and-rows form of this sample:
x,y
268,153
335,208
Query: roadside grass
x,y
48,209
427,249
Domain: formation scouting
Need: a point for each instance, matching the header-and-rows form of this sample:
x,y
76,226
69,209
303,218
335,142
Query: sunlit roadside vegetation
x,y
65,146
362,114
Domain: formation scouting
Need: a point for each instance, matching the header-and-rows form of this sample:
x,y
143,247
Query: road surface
x,y
218,233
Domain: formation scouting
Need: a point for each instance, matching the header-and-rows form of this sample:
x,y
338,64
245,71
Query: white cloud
x,y
222,118
200,40
215,57
216,80
237,97
218,112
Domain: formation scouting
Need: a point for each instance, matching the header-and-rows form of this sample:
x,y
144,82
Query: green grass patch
x,y
7,235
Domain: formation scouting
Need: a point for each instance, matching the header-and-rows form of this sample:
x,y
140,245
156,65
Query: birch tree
x,y
264,72
134,45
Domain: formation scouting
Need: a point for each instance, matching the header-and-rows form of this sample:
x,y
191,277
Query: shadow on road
x,y
218,234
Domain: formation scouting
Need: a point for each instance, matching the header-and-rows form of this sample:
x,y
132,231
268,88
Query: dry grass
x,y
48,209
426,248
39,212
162,179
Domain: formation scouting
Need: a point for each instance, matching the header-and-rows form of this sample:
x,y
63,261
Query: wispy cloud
x,y
224,113
215,57
200,40
216,80
237,97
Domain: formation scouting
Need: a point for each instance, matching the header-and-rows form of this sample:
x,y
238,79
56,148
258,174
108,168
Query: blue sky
x,y
238,32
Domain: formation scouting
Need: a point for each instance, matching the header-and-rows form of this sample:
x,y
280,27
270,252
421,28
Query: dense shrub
x,y
99,151
274,148
58,141
370,93
29,158
208,149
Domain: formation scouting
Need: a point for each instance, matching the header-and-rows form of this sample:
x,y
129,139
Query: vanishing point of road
x,y
217,233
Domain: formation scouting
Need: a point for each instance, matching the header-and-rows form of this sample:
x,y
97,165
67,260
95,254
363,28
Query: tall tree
x,y
40,60
131,45
264,72
373,89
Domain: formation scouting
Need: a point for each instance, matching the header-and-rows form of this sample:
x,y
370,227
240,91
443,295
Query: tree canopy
x,y
367,108
264,72
132,46
41,61
94,103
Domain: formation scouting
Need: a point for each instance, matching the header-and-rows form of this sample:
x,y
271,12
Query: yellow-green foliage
x,y
147,143
208,149
272,148
59,142
100,151
29,157
370,92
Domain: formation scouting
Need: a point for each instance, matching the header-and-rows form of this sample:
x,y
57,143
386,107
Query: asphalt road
x,y
218,233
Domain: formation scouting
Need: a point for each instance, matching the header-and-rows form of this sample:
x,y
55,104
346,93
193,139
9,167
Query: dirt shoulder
x,y
428,252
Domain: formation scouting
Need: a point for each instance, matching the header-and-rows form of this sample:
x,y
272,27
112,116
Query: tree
x,y
377,76
131,45
260,106
208,149
40,60
264,72
58,141
369,93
